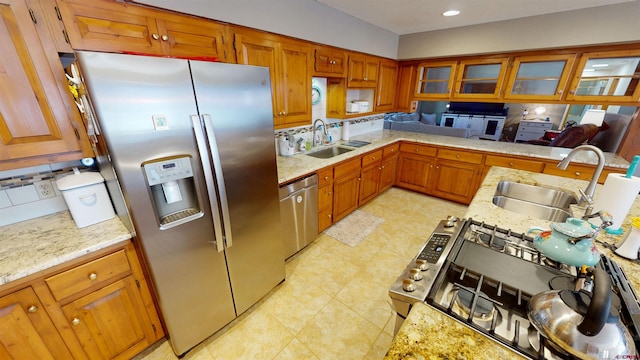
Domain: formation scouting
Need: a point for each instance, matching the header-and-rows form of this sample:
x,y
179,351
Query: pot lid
x,y
79,179
573,227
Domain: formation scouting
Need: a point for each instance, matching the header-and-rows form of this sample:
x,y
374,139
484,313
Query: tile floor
x,y
333,303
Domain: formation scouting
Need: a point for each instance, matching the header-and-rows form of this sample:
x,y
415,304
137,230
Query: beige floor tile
x,y
337,332
334,302
296,350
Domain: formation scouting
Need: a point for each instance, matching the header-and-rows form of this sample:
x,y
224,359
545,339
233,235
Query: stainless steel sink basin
x,y
548,213
356,143
543,202
329,152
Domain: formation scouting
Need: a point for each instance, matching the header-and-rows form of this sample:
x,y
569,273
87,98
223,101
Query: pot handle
x,y
535,228
598,310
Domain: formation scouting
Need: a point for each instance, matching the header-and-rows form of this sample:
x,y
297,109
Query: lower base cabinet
x,y
346,186
99,308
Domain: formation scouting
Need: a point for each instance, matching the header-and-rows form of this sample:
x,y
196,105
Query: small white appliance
x,y
86,197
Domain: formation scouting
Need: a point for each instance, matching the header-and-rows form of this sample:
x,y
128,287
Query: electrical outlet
x,y
44,189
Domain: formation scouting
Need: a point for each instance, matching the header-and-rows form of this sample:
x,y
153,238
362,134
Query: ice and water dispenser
x,y
173,190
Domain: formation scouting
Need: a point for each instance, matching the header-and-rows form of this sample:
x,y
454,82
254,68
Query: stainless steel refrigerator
x,y
192,146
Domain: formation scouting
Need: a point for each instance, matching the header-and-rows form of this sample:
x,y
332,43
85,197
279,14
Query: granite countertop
x,y
34,245
292,167
428,334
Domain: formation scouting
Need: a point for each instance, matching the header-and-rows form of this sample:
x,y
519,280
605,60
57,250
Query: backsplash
x,y
32,192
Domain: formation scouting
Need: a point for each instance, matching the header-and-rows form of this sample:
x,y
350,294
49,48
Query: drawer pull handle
x,y
32,309
93,276
417,150
75,321
329,215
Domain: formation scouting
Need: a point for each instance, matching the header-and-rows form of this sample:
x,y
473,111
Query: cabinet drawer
x,y
325,176
457,155
371,158
513,163
580,172
325,197
99,271
390,151
346,168
418,149
536,125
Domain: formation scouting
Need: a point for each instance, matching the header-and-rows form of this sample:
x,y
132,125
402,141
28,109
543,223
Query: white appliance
x,y
492,127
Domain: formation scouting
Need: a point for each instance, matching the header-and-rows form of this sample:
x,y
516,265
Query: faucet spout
x,y
324,130
587,198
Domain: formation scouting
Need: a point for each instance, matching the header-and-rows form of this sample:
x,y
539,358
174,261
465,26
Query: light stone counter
x,y
34,245
293,167
427,334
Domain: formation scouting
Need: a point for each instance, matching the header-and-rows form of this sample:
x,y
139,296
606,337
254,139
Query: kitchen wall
x,y
303,19
599,25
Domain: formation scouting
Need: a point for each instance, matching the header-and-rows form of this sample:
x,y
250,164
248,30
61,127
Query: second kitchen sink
x,y
543,202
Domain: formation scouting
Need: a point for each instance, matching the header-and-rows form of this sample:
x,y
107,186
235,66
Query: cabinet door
x,y
539,77
186,36
386,91
363,71
293,77
387,173
478,79
329,61
607,76
111,323
456,181
405,87
26,331
34,118
414,171
346,185
435,80
369,180
325,207
111,26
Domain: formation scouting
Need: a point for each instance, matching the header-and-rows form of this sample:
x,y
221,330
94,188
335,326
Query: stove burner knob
x,y
414,274
408,285
449,223
422,265
452,218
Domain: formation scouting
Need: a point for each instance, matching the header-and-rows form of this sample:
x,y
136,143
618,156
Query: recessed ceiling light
x,y
451,13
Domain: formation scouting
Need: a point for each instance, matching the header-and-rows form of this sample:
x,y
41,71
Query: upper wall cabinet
x,y
404,86
363,71
329,61
435,80
607,76
480,79
538,77
121,27
290,65
386,90
38,120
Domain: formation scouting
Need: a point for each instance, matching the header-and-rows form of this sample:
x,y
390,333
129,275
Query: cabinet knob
x,y
75,321
417,150
329,215
373,158
31,309
560,92
165,37
457,156
511,164
393,150
155,36
93,276
330,193
577,173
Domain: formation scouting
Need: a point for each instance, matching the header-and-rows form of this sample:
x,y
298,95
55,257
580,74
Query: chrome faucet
x,y
586,198
324,130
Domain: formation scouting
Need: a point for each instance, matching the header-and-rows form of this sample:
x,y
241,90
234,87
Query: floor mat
x,y
354,228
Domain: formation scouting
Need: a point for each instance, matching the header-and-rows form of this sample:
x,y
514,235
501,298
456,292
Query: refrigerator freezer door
x,y
238,100
189,276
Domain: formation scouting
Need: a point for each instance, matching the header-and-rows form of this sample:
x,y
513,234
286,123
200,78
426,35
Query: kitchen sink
x,y
543,202
329,152
356,143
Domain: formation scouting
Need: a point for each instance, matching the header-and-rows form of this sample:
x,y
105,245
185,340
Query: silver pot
x,y
584,325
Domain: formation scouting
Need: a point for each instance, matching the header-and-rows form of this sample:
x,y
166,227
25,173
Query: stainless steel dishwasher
x,y
299,213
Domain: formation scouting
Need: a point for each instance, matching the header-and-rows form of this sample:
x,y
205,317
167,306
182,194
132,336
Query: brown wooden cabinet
x,y
370,176
405,87
26,330
39,123
290,65
415,166
346,186
579,171
388,167
511,162
325,198
124,27
329,61
480,78
363,71
386,90
538,78
433,80
457,175
96,308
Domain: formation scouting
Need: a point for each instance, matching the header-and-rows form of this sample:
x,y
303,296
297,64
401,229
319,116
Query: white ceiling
x,y
412,16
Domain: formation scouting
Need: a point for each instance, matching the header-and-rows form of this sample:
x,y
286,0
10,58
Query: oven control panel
x,y
433,250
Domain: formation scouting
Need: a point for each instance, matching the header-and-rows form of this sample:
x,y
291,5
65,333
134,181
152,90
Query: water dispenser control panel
x,y
167,170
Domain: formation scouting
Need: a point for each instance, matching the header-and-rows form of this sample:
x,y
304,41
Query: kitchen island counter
x,y
31,246
428,334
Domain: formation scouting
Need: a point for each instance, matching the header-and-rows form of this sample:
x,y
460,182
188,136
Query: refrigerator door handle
x,y
217,168
209,182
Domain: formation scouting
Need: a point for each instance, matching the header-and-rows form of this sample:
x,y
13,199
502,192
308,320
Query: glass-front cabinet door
x,y
481,79
607,76
539,77
435,79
